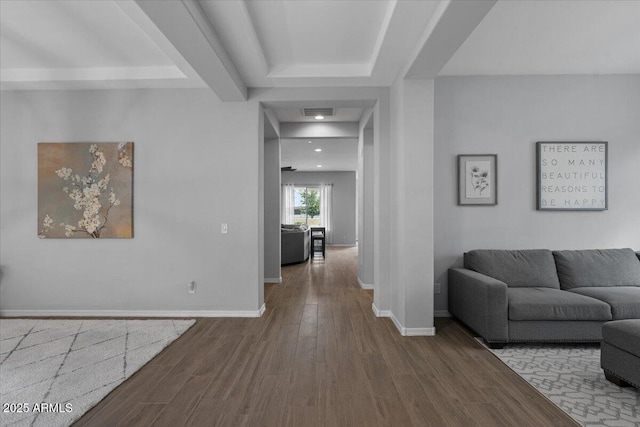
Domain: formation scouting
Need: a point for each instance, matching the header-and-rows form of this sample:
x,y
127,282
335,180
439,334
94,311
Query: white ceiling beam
x,y
253,36
319,130
384,28
186,26
272,118
449,27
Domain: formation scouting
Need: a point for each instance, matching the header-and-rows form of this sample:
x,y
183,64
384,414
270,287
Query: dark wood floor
x,y
319,356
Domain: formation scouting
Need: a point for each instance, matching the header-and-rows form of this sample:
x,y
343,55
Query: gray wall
x,y
272,211
365,202
506,116
368,208
344,200
197,165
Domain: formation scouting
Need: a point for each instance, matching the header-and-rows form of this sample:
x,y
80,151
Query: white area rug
x,y
571,377
53,371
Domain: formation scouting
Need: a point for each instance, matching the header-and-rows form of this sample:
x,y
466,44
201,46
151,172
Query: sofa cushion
x,y
597,267
624,334
523,268
294,227
554,304
624,300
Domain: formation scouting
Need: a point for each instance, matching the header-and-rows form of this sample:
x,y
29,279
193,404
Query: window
x,y
307,206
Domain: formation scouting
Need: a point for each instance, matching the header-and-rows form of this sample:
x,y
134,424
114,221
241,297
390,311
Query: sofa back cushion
x,y
294,227
518,269
597,267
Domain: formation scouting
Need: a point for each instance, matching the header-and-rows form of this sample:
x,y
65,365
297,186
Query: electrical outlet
x,y
436,288
224,228
192,287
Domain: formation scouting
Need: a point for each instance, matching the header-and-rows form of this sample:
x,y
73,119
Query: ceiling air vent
x,y
312,112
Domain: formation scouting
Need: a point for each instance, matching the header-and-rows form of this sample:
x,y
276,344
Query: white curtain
x,y
326,210
288,202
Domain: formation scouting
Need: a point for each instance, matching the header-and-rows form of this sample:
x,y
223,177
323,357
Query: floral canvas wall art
x,y
85,190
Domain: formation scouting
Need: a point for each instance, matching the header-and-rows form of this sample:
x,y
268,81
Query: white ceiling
x,y
319,43
86,44
552,37
338,154
48,44
109,38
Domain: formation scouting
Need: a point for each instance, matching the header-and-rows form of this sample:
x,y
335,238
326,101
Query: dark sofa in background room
x,y
294,243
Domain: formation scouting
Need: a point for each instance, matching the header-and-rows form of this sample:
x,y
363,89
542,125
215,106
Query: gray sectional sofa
x,y
543,296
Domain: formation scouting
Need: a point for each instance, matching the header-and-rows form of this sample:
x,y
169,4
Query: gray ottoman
x,y
620,352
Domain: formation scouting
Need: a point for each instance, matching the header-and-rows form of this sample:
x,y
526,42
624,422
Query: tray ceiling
x,y
234,45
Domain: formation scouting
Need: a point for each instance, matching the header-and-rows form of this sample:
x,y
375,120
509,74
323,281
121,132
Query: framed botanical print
x,y
478,179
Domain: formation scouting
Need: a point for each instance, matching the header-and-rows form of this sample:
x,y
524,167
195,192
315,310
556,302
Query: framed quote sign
x,y
572,176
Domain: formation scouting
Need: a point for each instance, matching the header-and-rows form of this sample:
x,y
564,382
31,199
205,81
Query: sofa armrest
x,y
480,302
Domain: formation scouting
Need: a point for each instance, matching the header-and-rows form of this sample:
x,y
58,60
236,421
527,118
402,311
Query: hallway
x,y
319,356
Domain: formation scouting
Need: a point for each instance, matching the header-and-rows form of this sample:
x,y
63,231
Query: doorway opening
x,y
323,168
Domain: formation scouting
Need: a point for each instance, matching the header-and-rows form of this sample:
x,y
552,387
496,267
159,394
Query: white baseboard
x,y
412,332
364,285
380,313
133,313
273,280
399,326
405,332
419,332
346,245
441,313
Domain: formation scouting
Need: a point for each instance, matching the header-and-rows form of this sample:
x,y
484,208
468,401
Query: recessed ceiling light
x,y
319,166
309,142
318,149
319,117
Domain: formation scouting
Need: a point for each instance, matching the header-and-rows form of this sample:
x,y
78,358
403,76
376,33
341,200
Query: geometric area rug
x,y
570,376
53,371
